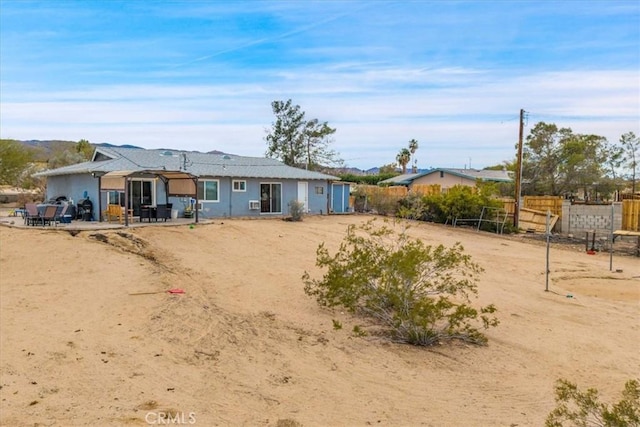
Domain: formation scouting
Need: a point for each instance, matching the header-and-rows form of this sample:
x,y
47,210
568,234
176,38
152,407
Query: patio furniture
x,y
31,215
61,214
49,214
115,213
163,212
147,212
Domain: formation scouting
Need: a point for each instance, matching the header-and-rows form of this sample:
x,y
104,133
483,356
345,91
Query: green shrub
x,y
414,293
583,408
296,209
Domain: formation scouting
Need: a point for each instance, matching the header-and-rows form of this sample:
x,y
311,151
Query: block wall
x,y
578,219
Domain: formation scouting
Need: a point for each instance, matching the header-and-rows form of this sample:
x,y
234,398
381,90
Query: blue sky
x,y
201,75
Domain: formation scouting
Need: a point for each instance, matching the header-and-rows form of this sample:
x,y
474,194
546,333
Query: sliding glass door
x,y
141,193
271,197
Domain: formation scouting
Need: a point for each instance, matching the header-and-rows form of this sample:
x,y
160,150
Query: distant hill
x,y
44,149
106,144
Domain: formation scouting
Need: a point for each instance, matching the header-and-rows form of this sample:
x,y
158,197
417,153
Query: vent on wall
x,y
254,204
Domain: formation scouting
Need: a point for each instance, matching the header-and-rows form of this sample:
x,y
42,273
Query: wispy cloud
x,y
202,75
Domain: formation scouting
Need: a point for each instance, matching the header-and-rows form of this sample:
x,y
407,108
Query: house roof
x,y
404,179
484,174
473,174
110,159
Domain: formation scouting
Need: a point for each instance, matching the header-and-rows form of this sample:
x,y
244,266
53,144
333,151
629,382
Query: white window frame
x,y
204,183
141,180
242,183
271,184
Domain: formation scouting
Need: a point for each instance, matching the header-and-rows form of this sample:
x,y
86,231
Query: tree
x,y
631,146
583,408
388,169
84,148
403,157
316,143
582,162
415,293
63,155
296,141
413,146
557,161
14,160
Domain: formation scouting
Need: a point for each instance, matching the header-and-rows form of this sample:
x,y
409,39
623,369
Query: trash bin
x,y
174,213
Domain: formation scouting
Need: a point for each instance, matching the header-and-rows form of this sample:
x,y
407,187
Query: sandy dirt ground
x,y
245,346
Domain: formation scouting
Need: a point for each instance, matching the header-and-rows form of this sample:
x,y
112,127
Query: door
x,y
271,197
140,194
303,195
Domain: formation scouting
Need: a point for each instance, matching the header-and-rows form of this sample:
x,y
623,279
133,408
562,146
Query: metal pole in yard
x,y
611,240
546,289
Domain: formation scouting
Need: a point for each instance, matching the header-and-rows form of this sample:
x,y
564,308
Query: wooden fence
x,y
631,215
398,191
426,189
536,203
544,203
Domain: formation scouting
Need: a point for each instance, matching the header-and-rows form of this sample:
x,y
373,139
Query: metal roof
x,y
110,159
473,174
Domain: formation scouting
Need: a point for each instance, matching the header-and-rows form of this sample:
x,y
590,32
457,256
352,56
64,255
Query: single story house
x,y
209,184
448,178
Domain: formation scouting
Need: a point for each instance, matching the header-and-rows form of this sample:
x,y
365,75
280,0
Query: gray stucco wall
x,y
236,203
74,187
578,219
230,203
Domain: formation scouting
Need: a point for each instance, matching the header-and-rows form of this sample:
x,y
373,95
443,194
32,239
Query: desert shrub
x,y
413,292
412,207
583,408
28,197
383,204
296,209
459,202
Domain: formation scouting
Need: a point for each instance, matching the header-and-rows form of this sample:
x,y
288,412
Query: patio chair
x,y
31,215
145,213
114,212
60,213
163,212
49,214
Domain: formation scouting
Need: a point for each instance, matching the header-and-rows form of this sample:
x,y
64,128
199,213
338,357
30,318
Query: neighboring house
x,y
448,178
215,184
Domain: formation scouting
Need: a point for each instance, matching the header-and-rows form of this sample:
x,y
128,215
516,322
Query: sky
x,y
201,75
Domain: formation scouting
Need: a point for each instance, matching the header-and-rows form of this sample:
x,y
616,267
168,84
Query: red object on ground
x,y
591,252
176,291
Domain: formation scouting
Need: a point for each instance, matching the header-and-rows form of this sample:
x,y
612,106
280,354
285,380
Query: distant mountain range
x,y
46,148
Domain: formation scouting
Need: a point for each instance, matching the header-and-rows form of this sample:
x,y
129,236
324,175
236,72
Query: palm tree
x,y
413,146
403,157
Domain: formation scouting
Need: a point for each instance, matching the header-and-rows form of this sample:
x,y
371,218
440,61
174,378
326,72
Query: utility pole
x,y
516,212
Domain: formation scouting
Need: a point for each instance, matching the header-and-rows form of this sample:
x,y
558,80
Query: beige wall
x,y
447,181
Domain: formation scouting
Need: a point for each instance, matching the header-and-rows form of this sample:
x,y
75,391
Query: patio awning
x,y
179,182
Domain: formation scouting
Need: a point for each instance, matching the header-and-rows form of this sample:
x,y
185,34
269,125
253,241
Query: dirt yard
x,y
89,335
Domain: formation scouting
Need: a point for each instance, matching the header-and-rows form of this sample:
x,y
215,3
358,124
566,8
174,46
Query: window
x,y
208,190
319,190
239,185
115,198
441,174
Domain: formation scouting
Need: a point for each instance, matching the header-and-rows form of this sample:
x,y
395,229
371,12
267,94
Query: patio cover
x,y
116,180
178,183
